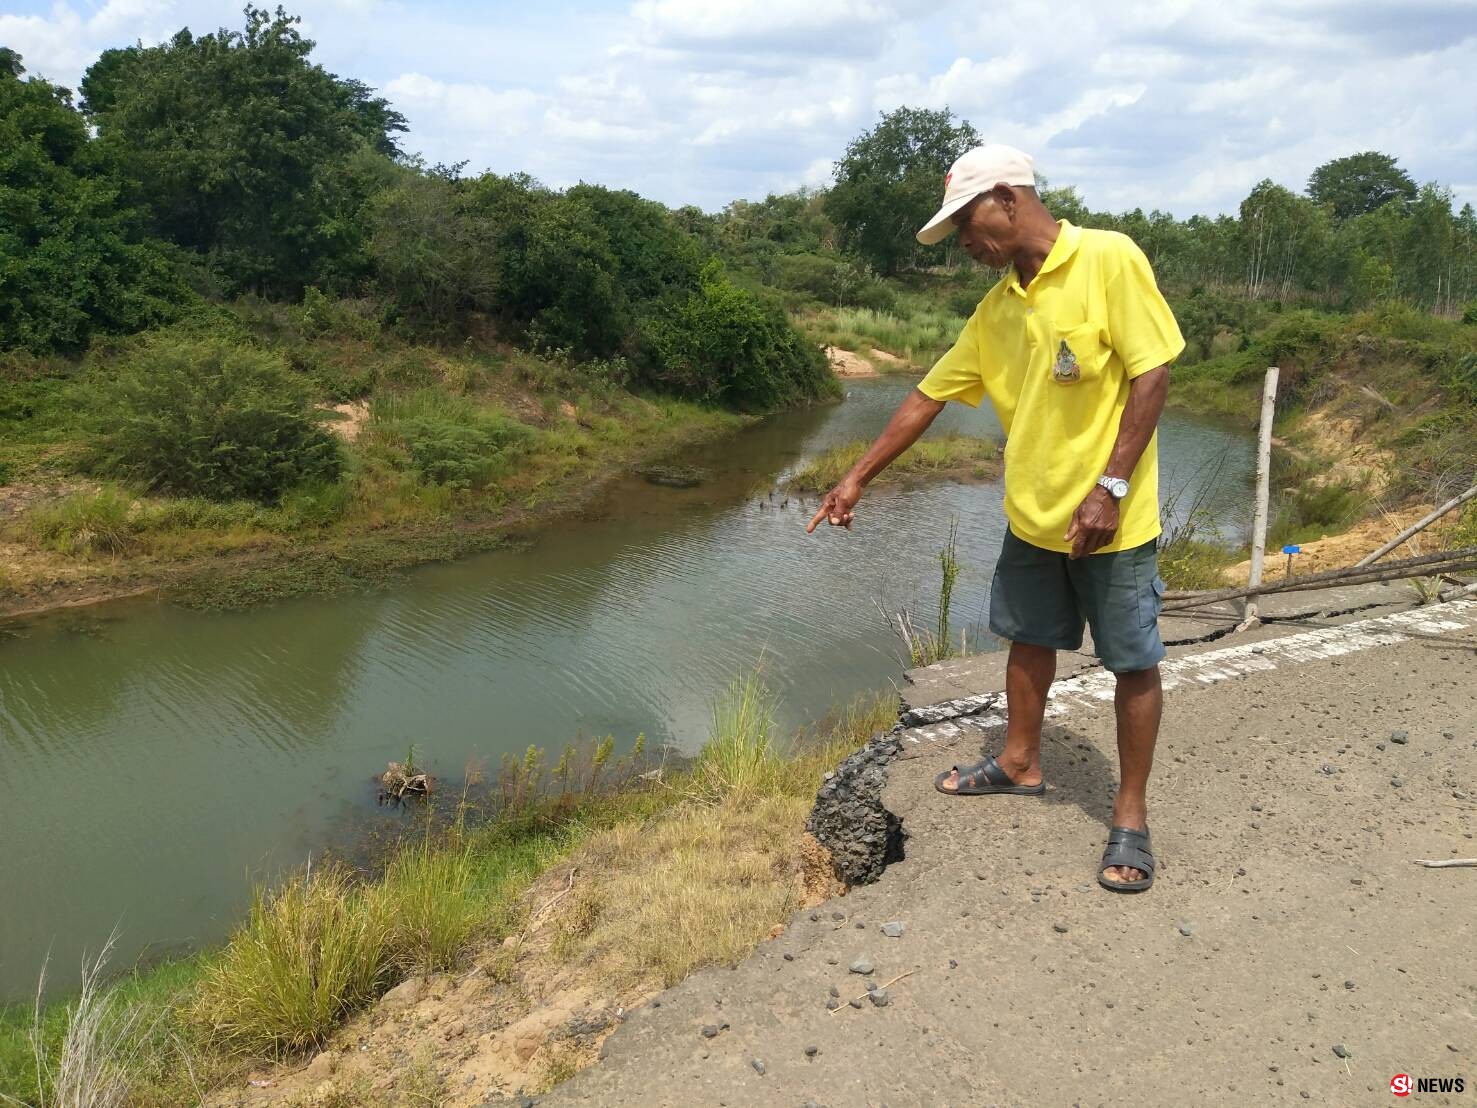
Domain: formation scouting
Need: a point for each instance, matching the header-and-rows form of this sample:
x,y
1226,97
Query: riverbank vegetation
x,y
951,456
265,326
663,873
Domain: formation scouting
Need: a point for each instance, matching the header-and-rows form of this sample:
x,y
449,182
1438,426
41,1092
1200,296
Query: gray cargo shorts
x,y
1044,598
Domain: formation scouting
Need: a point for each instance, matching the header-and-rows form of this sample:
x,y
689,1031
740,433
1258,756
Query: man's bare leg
x,y
1028,676
1138,703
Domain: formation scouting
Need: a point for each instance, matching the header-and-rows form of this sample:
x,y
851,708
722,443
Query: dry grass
x,y
95,1062
697,887
703,883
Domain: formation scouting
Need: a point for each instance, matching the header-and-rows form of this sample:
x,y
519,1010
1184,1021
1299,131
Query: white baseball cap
x,y
979,170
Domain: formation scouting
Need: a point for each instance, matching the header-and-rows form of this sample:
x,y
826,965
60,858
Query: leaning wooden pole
x,y
1249,617
1418,526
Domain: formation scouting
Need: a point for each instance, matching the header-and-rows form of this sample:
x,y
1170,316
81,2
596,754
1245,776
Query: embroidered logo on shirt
x,y
1065,369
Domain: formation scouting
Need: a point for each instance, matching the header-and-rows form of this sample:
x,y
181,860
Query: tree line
x,y
1361,231
212,166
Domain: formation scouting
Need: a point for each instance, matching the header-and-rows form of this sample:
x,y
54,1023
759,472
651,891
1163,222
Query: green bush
x,y
209,417
1469,314
7,472
449,441
723,344
1461,379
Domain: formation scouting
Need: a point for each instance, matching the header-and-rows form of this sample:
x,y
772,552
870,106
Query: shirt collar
x,y
1061,251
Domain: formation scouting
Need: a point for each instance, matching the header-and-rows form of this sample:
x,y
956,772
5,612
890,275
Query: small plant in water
x,y
926,647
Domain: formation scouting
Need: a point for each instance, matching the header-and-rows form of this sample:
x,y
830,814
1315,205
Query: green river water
x,y
161,760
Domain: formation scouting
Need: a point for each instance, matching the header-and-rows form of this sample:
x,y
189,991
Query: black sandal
x,y
995,779
1127,847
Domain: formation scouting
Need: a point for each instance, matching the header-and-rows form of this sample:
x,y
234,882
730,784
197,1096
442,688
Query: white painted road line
x,y
1198,670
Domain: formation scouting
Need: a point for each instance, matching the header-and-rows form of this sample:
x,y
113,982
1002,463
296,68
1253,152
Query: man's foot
x,y
1024,774
1128,860
1136,818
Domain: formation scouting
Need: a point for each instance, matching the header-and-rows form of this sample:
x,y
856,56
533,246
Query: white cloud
x,y
1177,104
476,107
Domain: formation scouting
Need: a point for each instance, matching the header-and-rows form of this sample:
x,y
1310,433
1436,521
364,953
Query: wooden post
x,y
1249,617
1418,526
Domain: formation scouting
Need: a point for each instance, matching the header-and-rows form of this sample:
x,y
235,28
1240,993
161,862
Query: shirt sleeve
x,y
958,375
1141,328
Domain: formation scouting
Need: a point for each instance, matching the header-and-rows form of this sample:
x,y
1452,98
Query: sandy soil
x,y
350,418
1359,464
845,363
1345,549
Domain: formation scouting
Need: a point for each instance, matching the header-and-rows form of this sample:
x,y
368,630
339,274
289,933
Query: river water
x,y
160,760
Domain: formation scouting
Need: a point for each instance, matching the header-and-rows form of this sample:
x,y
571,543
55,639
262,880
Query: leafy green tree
x,y
75,257
1360,183
244,150
890,180
434,256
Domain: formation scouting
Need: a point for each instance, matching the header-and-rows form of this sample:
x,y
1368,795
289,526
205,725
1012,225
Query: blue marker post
x,y
1290,550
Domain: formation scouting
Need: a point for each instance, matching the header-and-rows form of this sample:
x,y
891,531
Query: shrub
x,y
1460,380
212,418
1469,313
723,344
449,441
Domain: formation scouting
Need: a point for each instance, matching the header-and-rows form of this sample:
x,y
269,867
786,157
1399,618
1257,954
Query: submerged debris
x,y
402,779
674,476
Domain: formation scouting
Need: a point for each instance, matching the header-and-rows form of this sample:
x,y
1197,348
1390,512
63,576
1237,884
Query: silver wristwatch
x,y
1117,487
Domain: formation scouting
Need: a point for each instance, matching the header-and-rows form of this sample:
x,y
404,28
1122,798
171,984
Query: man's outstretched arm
x,y
911,419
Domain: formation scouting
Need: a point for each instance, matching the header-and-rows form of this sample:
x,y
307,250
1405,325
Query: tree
x,y
432,256
1359,183
890,182
1282,238
244,150
75,257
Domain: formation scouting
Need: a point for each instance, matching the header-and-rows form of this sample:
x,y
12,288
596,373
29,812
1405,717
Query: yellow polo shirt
x,y
1055,359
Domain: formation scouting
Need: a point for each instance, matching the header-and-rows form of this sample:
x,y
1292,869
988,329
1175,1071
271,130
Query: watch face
x,y
1119,488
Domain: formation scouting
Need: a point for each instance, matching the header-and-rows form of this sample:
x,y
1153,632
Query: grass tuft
x,y
307,954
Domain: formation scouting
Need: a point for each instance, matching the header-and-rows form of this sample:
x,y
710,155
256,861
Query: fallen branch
x,y
555,900
889,985
1444,863
1427,565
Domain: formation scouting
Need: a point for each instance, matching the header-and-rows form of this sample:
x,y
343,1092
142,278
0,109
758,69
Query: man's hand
x,y
1094,523
836,507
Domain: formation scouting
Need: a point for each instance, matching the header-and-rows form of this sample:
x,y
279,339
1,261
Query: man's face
x,y
987,228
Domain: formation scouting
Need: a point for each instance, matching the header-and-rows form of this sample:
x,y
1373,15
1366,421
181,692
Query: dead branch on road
x,y
1444,863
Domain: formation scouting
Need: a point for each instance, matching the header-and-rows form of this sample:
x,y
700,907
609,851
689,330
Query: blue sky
x,y
1176,104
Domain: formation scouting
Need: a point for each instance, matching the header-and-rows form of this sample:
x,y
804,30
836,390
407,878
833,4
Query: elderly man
x,y
1072,347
